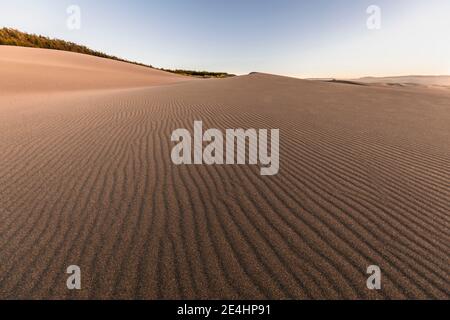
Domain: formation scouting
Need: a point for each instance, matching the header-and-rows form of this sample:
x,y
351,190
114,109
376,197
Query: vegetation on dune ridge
x,y
203,74
13,37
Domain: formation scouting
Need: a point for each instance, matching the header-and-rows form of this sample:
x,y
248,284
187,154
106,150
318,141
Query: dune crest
x,y
31,70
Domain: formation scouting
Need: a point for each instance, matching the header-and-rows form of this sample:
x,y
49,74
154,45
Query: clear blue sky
x,y
315,38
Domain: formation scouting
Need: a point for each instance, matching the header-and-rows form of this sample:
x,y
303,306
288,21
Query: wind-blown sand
x,y
86,178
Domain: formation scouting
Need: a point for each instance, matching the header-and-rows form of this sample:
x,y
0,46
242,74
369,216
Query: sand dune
x,y
86,178
427,81
30,70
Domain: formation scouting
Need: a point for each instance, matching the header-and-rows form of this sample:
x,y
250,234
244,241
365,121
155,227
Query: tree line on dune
x,y
13,37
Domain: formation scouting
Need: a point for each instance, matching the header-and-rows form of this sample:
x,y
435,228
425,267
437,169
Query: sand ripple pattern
x,y
86,178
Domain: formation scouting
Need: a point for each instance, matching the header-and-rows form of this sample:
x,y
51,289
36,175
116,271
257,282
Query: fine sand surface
x,y
30,70
86,178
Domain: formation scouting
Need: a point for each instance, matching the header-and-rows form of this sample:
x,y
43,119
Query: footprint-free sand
x,y
86,179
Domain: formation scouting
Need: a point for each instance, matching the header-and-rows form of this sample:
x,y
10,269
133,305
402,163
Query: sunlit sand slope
x,y
86,178
29,70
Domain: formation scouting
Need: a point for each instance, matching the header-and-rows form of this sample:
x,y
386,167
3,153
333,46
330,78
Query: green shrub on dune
x,y
13,37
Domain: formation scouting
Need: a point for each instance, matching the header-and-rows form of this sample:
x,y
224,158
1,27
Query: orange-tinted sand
x,y
86,178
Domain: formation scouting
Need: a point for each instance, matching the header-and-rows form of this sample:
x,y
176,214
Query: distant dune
x,y
86,178
401,81
409,80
